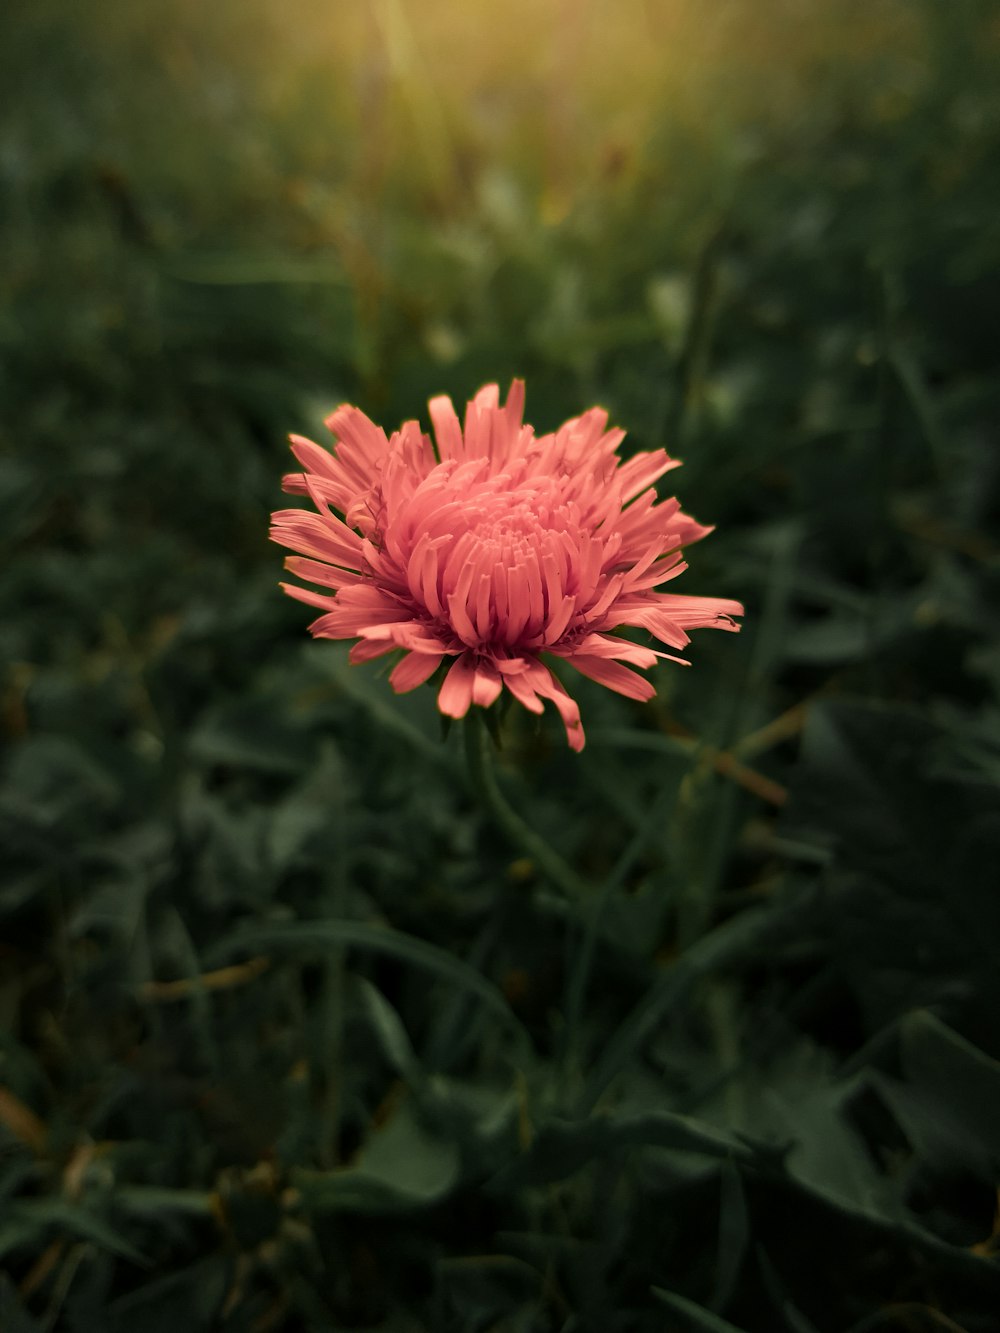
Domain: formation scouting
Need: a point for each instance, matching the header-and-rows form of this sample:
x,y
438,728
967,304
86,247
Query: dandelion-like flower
x,y
493,548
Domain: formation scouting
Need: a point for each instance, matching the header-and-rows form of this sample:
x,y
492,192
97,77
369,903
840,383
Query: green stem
x,y
506,818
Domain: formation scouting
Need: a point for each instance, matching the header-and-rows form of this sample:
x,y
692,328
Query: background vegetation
x,y
290,1039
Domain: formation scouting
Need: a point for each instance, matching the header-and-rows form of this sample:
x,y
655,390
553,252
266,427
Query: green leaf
x,y
302,821
695,1316
949,1103
246,734
395,716
794,1319
157,1200
872,784
27,1221
489,1291
563,1147
734,1234
388,1029
721,947
188,1299
312,937
400,1167
826,1156
14,1318
52,779
832,640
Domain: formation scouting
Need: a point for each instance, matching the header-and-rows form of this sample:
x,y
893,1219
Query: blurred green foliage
x,y
289,1038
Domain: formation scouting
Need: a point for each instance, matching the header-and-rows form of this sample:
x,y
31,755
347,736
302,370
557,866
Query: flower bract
x,y
493,550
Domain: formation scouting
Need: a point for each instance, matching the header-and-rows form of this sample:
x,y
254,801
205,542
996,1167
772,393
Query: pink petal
x,y
317,571
511,666
487,398
610,593
567,708
455,695
458,608
307,483
522,690
537,680
366,650
612,674
518,603
690,530
322,600
602,645
446,428
486,685
351,616
559,622
642,470
514,409
325,538
412,670
361,447
314,458
654,619
661,572
373,602
483,605
409,634
478,412
699,612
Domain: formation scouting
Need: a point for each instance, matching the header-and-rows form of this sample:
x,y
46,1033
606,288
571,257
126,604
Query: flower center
x,y
498,560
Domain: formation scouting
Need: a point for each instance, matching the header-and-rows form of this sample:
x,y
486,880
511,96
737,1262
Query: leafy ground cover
x,y
290,1036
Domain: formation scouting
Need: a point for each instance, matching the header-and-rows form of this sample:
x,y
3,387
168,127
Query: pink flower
x,y
492,548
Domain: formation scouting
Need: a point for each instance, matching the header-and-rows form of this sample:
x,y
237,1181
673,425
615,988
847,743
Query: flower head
x,y
490,550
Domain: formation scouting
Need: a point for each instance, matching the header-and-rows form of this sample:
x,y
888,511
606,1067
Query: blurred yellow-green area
x,y
381,102
292,1036
406,152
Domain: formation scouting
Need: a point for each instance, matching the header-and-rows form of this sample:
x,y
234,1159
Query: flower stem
x,y
477,752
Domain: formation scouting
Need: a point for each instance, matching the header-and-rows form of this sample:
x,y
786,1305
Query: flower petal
x,y
366,650
603,645
612,674
536,680
409,634
699,612
322,600
447,429
318,571
412,670
567,708
455,695
642,470
486,685
322,537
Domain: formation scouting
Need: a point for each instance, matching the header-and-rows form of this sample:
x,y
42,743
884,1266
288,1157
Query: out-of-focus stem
x,y
532,844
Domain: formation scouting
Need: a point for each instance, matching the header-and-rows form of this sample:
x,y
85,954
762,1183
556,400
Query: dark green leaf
x,y
400,1167
693,1316
564,1147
